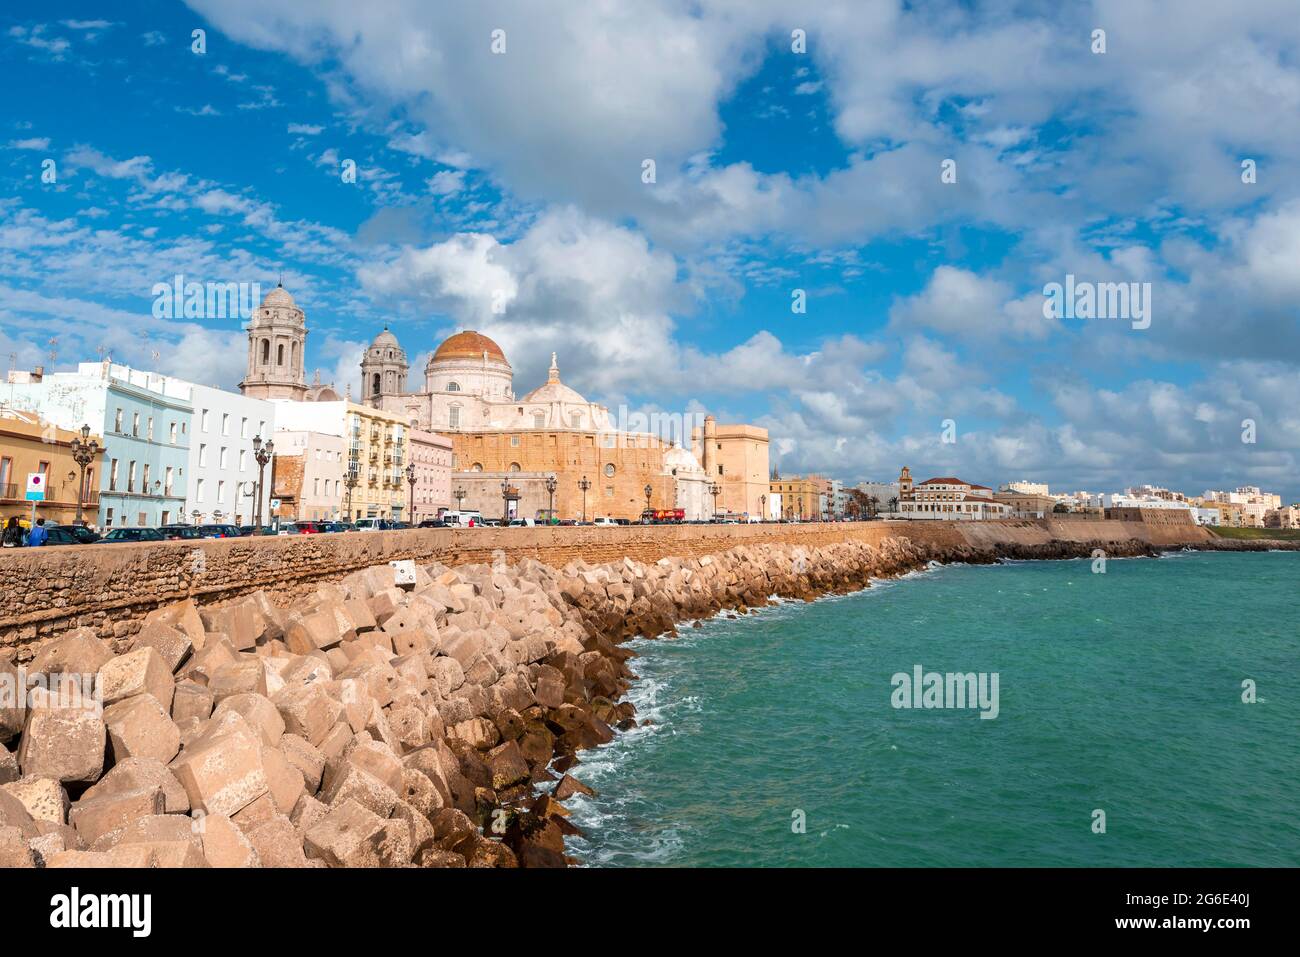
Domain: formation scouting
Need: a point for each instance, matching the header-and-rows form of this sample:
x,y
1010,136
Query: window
x,y
167,485
144,484
142,520
514,441
221,492
279,354
108,515
539,420
315,487
112,475
225,423
609,470
173,433
203,420
453,386
198,490
203,455
224,450
243,460
266,351
453,417
135,424
117,422
130,476
243,427
6,471
166,517
575,420
149,434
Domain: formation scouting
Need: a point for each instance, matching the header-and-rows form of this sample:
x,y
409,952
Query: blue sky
x,y
518,175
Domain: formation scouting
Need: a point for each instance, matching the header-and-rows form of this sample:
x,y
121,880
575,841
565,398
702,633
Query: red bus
x,y
663,516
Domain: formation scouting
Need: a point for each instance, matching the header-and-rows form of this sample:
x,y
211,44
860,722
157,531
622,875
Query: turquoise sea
x,y
1120,692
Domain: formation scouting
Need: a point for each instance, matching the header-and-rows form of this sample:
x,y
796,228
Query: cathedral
x,y
549,452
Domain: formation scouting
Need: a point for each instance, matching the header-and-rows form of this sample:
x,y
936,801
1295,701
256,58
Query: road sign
x,y
35,486
275,503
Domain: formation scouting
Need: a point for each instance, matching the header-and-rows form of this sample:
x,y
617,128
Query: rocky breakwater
x,y
405,716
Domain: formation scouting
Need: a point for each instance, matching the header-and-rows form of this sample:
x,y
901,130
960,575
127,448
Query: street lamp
x,y
550,491
505,502
84,450
350,481
262,454
584,483
762,508
459,496
649,490
196,515
715,490
410,480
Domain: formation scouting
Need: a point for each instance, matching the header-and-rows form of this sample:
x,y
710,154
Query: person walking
x,y
12,536
38,535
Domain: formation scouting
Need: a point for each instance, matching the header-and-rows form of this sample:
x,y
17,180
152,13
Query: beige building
x,y
309,471
736,458
1026,504
950,499
277,337
1286,517
29,444
797,498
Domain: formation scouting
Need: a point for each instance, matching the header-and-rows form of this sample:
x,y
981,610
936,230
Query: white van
x,y
462,519
604,521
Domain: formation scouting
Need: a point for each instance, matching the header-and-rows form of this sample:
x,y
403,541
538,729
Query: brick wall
x,y
112,587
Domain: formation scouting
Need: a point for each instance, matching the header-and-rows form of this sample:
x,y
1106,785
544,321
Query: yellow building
x,y
801,497
377,454
29,444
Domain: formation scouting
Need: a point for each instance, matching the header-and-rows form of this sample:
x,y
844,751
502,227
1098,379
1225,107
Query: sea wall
x,y
111,588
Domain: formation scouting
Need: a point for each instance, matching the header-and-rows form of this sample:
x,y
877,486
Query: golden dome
x,y
469,345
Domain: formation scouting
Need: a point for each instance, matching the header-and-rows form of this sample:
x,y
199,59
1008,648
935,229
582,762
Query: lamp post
x,y
649,490
350,481
262,454
84,450
195,515
762,508
550,491
584,483
410,480
505,503
459,496
715,490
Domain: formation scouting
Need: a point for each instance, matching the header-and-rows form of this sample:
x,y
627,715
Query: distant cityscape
x,y
117,446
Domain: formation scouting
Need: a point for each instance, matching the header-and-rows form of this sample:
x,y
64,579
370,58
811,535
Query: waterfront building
x,y
221,473
432,455
1026,504
1285,517
799,497
309,475
145,421
376,447
736,458
883,497
1025,488
30,444
952,499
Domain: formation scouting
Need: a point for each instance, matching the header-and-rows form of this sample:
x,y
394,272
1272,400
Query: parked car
x,y
332,526
253,530
434,523
522,522
397,526
605,521
373,524
81,533
179,532
133,535
220,531
61,535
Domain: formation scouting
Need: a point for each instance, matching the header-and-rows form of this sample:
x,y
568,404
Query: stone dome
x,y
385,339
554,390
468,345
279,296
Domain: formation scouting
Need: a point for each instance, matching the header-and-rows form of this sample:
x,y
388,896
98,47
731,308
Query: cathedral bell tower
x,y
277,337
383,369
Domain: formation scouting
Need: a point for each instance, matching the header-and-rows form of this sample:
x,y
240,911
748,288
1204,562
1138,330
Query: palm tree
x,y
893,504
873,505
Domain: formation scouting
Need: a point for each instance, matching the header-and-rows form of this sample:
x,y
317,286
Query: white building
x,y
1025,488
951,499
221,478
885,493
1205,516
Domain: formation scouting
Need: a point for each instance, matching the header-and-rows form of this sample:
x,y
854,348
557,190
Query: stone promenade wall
x,y
44,592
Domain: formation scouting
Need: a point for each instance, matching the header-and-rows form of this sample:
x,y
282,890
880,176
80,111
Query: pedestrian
x,y
13,533
38,534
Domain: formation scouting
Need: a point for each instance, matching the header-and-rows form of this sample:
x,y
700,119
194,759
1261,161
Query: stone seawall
x,y
112,588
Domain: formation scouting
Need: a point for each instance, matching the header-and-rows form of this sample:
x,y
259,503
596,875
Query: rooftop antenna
x,y
54,348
